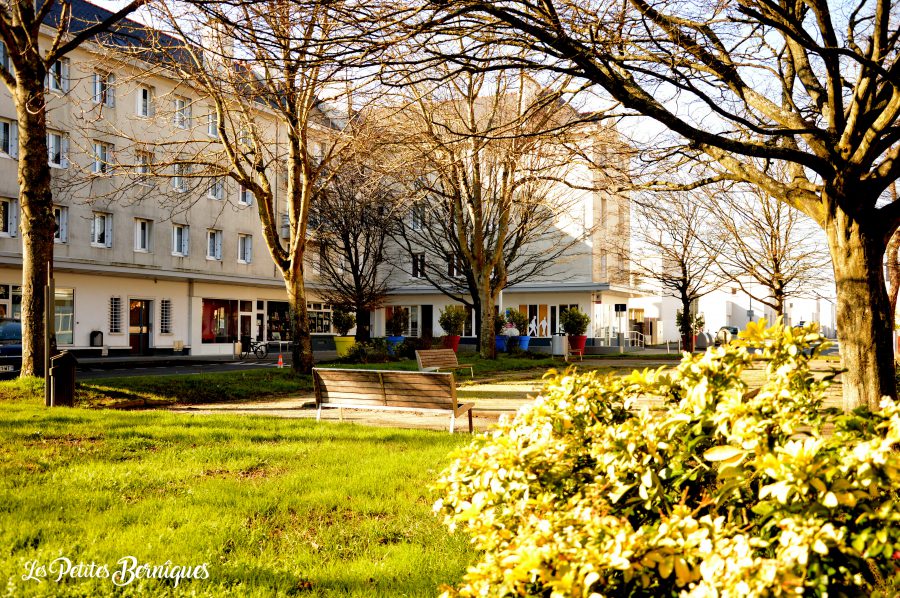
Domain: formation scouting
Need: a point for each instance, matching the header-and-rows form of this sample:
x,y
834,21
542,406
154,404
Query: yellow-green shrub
x,y
727,492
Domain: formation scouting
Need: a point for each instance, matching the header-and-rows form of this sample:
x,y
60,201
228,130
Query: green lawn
x,y
272,506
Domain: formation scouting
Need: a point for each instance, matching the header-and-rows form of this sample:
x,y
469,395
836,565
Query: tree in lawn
x,y
671,250
265,67
352,218
764,244
494,169
24,68
744,86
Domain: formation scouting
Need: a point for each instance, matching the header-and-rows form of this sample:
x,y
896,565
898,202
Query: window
x,y
143,166
319,317
104,92
182,118
57,149
58,76
413,311
9,138
180,240
418,265
179,181
101,230
213,244
142,235
244,138
115,315
102,157
245,196
61,231
455,266
212,123
219,319
245,249
417,217
5,61
165,316
144,105
9,217
64,316
216,189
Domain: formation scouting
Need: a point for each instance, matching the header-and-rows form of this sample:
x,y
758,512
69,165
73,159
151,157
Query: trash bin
x,y
558,344
96,338
62,380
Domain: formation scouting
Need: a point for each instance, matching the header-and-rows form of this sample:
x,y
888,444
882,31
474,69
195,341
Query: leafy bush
x,y
398,322
519,320
407,349
574,321
729,492
343,321
453,319
375,351
499,323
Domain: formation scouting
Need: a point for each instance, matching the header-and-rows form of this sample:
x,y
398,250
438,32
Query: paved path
x,y
492,399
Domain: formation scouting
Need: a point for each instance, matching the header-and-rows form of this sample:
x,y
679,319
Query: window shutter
x,y
96,83
249,249
64,83
110,91
218,244
63,225
94,228
64,150
109,230
185,240
14,218
14,140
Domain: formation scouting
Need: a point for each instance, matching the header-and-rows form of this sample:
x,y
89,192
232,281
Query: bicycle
x,y
261,350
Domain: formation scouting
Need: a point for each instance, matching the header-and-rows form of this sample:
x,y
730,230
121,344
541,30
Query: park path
x,y
493,398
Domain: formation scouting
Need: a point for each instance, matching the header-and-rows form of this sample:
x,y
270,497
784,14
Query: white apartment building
x,y
158,265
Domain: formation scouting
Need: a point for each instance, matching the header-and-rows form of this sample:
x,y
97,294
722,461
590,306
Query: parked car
x,y
10,347
726,334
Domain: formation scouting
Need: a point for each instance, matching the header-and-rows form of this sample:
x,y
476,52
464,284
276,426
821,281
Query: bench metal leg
x,y
452,422
319,413
471,429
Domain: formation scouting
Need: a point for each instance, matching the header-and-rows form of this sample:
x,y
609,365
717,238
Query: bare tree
x,y
671,250
28,59
742,86
275,74
761,243
352,220
489,167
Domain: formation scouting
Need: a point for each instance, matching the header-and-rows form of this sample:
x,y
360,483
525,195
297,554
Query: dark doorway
x,y
139,326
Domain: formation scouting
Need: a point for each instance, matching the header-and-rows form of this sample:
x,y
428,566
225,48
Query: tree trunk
x,y
863,319
37,222
363,325
301,353
488,346
893,272
687,325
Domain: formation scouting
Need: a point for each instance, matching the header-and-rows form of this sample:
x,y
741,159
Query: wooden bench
x,y
435,360
388,390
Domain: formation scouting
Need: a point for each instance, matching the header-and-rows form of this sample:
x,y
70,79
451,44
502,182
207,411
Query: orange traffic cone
x,y
280,361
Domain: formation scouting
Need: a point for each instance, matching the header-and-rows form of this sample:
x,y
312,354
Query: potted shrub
x,y
520,322
452,320
343,321
396,327
575,323
500,339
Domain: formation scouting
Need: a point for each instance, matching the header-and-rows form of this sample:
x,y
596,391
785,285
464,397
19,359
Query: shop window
x,y
219,321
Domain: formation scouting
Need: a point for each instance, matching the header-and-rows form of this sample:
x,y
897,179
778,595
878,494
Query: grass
x,y
273,506
139,391
256,383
